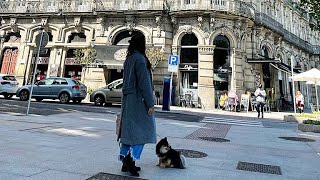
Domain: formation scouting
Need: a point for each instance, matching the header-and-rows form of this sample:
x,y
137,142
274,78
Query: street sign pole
x,y
172,67
293,88
34,71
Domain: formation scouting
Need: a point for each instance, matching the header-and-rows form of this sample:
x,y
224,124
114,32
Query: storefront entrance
x,y
188,69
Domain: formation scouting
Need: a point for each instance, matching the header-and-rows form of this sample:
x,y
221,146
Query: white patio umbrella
x,y
312,75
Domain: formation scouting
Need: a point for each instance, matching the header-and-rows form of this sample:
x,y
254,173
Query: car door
x,y
115,93
58,85
44,88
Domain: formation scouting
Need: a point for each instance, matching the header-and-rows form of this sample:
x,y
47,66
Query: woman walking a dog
x,y
137,114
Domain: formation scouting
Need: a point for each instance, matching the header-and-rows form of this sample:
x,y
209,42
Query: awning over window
x,y
111,57
284,67
262,60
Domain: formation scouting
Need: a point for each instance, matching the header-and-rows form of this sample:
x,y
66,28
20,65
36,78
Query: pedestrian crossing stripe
x,y
236,122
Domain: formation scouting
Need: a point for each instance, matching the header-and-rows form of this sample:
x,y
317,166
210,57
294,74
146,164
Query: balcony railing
x,y
265,20
53,6
232,6
122,5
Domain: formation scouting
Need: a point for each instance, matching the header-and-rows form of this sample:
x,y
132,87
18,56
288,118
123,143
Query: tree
x,y
155,56
313,7
86,57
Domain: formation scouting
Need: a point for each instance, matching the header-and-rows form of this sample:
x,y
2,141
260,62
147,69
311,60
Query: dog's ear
x,y
165,138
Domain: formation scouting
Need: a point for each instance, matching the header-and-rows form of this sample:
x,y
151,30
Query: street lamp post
x,y
2,35
293,89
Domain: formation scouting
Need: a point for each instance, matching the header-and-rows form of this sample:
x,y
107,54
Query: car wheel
x,y
24,95
8,96
77,101
39,99
99,100
64,97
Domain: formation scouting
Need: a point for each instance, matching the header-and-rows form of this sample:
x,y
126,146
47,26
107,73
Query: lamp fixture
x,y
33,21
2,21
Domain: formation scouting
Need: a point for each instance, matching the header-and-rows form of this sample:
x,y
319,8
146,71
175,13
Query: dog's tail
x,y
183,162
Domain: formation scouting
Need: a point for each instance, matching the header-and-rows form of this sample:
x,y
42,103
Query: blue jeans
x,y
135,150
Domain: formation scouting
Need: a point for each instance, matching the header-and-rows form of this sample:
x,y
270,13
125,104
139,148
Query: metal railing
x,y
123,5
53,6
232,6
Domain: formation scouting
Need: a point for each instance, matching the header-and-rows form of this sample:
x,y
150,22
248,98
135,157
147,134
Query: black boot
x,y
128,164
125,169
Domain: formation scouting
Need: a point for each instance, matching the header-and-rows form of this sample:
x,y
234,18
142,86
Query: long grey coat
x,y
138,127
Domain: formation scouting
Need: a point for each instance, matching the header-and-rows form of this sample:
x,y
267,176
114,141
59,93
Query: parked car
x,y
112,93
8,85
64,89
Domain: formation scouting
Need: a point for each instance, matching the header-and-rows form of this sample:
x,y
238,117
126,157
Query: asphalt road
x,y
50,107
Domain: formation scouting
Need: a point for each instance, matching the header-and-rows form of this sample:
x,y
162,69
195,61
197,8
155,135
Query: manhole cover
x,y
214,139
261,168
191,153
298,139
107,176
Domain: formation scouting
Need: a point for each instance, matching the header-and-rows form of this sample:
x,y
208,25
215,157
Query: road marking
x,y
236,122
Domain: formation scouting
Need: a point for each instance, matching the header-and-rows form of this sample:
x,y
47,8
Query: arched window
x,y
12,37
123,37
221,63
189,64
77,37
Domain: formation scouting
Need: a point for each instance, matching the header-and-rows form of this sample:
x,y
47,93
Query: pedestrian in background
x,y
260,94
299,101
137,111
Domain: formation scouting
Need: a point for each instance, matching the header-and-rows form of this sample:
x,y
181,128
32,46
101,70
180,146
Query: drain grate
x,y
107,176
261,168
192,154
298,139
214,139
210,130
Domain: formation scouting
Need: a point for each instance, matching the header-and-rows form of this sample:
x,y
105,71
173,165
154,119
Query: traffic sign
x,y
173,62
45,39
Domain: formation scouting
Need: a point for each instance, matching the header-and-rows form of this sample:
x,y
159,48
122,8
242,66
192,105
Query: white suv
x,y
8,85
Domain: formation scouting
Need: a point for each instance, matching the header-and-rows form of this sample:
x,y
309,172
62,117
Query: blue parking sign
x,y
173,59
173,62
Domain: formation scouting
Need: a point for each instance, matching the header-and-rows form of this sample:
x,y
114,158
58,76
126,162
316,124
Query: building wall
x,y
238,21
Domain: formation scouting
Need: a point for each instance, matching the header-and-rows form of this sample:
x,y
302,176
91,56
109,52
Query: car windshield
x,y
9,78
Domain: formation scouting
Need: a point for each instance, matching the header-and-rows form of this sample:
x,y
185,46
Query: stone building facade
x,y
222,44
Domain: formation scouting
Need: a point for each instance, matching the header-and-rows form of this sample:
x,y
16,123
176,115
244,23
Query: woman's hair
x,y
298,93
138,43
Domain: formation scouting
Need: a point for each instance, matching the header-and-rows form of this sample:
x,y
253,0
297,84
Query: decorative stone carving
x,y
76,21
209,49
130,23
13,24
174,21
102,22
44,21
158,23
212,21
200,21
188,29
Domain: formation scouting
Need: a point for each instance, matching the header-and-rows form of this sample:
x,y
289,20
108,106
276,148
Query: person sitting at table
x,y
223,99
232,95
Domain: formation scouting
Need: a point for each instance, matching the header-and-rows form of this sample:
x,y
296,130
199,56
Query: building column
x,y
237,76
60,60
206,91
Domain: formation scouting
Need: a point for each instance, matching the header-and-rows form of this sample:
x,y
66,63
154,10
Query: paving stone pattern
x,y
192,154
210,130
262,168
297,139
107,176
214,139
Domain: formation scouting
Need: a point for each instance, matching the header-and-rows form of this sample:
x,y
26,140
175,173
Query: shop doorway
x,y
188,68
222,66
